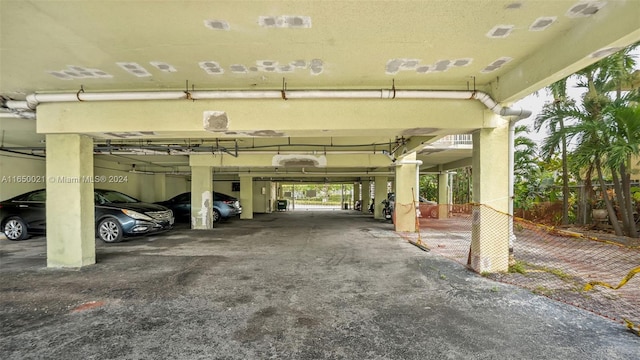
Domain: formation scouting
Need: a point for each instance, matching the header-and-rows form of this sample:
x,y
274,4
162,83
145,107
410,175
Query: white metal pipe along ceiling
x,y
33,100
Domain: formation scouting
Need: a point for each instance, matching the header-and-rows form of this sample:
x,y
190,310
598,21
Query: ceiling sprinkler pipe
x,y
235,94
33,100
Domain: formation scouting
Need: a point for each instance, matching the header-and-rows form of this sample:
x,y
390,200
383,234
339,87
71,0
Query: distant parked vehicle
x,y
117,215
386,209
224,206
428,208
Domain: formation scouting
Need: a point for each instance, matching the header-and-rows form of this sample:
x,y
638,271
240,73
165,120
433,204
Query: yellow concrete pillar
x,y
366,195
201,197
274,197
356,194
160,187
490,229
405,211
443,195
246,197
70,209
380,194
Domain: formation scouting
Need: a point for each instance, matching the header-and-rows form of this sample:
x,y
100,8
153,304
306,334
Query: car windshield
x,y
113,197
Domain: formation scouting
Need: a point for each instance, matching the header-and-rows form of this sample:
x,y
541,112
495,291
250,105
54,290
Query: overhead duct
x,y
33,100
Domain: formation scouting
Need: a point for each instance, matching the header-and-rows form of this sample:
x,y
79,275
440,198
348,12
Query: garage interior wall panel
x,y
116,177
261,196
176,185
19,174
146,183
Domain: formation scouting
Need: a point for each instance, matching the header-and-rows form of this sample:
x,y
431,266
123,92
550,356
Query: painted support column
x,y
380,194
490,226
246,197
70,209
160,187
273,191
444,203
356,194
405,211
202,197
366,195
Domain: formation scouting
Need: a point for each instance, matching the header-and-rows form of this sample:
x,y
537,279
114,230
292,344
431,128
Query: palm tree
x,y
625,142
525,154
552,116
527,177
607,134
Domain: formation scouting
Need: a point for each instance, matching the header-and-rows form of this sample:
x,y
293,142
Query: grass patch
x,y
518,267
559,273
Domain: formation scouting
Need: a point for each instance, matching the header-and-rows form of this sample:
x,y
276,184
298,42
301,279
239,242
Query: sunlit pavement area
x,y
287,285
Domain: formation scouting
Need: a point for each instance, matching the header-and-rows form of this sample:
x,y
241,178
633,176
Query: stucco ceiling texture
x,y
58,45
506,48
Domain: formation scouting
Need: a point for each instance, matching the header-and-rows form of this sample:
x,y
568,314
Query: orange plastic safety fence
x,y
562,265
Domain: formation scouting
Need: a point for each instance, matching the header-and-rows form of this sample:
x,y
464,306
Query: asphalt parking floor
x,y
288,285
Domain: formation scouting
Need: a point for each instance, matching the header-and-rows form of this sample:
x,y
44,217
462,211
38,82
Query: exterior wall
x,y
19,174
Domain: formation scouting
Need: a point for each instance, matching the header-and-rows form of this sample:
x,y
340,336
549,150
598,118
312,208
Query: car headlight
x,y
136,215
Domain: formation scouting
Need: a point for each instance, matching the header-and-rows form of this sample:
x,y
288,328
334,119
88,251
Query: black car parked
x,y
224,206
117,215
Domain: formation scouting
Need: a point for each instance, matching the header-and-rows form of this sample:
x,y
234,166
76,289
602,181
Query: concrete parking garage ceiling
x,y
507,49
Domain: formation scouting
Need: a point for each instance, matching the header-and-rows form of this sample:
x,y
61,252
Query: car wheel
x,y
434,213
15,229
216,216
110,230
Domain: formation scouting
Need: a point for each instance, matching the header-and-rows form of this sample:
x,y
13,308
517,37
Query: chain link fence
x,y
593,273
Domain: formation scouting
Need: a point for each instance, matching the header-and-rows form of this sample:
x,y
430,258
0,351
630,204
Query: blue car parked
x,y
117,216
224,206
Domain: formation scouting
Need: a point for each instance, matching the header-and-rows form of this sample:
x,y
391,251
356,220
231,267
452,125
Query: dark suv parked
x,y
117,215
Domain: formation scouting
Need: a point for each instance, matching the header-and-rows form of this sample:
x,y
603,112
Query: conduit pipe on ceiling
x,y
33,100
